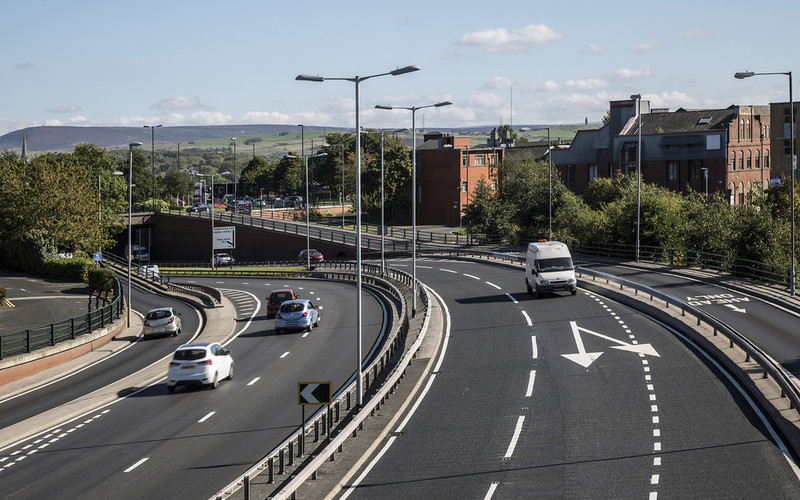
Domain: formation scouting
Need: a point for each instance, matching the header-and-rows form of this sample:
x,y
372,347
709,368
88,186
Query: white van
x,y
548,268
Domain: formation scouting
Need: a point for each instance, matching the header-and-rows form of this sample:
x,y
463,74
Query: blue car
x,y
299,314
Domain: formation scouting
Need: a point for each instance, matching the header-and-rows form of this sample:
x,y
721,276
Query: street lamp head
x,y
404,70
117,173
636,97
443,103
741,75
223,173
381,106
134,144
310,78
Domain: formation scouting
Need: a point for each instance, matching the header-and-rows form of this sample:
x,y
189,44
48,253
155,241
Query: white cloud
x,y
499,82
590,84
597,48
646,47
266,117
626,73
502,40
697,33
172,103
69,108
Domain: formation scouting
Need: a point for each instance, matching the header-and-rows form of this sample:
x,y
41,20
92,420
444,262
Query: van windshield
x,y
556,264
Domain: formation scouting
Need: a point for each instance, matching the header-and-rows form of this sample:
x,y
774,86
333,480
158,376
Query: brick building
x,y
705,150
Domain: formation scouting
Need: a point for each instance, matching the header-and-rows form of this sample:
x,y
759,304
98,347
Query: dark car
x,y
278,297
202,207
315,256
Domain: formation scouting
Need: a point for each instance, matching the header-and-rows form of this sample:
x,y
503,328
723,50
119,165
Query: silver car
x,y
298,314
162,321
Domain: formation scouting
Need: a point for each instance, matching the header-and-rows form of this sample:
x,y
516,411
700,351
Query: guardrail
x,y
25,341
768,367
380,367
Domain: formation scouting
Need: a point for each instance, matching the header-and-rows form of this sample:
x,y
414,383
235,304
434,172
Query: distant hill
x,y
270,137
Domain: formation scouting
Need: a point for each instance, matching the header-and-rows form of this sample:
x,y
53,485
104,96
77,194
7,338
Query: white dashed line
x,y
206,417
492,284
515,437
471,276
284,354
254,380
529,392
535,347
527,318
448,271
137,464
490,493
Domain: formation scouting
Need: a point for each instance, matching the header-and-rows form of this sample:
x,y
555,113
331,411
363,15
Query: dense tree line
x,y
759,230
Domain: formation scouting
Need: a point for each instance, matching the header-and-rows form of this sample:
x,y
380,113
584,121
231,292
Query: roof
x,y
681,121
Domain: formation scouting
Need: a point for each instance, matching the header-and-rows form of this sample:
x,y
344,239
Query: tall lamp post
x,y
550,184
99,201
792,161
234,173
357,80
153,158
211,212
638,98
308,224
413,110
130,215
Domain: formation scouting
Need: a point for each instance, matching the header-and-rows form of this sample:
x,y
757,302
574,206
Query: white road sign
x,y
224,237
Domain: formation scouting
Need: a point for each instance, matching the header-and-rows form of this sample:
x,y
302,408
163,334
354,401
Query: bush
x,y
101,280
27,252
3,293
75,268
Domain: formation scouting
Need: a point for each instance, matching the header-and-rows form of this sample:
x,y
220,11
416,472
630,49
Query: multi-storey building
x,y
703,150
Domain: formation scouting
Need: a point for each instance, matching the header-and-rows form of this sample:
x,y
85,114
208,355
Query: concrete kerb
x,y
219,326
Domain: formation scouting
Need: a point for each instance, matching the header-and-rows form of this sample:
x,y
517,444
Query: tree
x,y
258,174
396,174
485,214
177,183
289,175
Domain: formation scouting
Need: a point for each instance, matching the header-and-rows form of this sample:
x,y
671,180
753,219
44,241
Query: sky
x,y
200,62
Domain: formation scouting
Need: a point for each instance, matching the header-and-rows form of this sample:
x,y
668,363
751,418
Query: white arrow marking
x,y
308,395
583,358
736,309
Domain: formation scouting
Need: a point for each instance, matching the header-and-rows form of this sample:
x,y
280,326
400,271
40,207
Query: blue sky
x,y
111,63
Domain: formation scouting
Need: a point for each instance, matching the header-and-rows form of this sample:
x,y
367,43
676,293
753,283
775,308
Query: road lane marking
x,y
527,318
206,417
535,347
512,298
284,354
448,270
471,276
137,464
492,284
515,437
254,380
529,392
490,493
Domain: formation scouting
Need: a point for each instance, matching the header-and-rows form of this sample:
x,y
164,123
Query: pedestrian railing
x,y
31,339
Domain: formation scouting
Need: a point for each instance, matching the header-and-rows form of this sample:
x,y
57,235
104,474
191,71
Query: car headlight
x,y
571,281
545,282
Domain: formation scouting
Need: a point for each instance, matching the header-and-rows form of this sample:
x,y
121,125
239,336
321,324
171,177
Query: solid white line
x,y
206,417
527,318
529,392
517,432
512,298
535,347
137,464
284,354
490,493
254,380
492,284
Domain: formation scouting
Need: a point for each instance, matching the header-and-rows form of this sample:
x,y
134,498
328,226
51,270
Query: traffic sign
x,y
98,257
224,237
313,393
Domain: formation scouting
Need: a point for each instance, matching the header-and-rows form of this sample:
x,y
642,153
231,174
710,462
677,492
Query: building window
x,y
758,161
492,159
741,129
749,162
741,193
747,130
766,158
628,152
741,160
465,159
464,187
570,175
672,170
494,184
478,160
592,171
694,169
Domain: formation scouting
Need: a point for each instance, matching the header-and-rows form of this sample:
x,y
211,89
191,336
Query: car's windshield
x,y
158,314
291,307
190,354
556,264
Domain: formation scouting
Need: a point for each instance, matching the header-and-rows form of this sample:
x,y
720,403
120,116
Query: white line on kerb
x,y
206,417
137,464
515,438
529,392
490,493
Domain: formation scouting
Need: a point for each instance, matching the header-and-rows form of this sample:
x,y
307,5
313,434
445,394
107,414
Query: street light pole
x,y
792,161
234,174
638,98
413,110
357,80
211,213
550,182
308,222
130,215
153,157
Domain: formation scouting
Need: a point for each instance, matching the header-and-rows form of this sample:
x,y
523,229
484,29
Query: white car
x,y
298,314
161,321
202,364
149,271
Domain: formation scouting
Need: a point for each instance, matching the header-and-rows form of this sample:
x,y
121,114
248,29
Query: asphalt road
x,y
185,445
569,397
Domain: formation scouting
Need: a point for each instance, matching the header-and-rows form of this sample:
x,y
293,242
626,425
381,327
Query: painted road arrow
x,y
585,359
736,309
313,393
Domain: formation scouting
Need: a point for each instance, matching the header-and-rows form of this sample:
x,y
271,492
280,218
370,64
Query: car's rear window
x,y
291,307
158,314
277,298
190,354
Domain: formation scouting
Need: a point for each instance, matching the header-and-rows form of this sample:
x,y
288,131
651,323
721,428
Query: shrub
x,y
27,252
3,293
101,280
75,268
